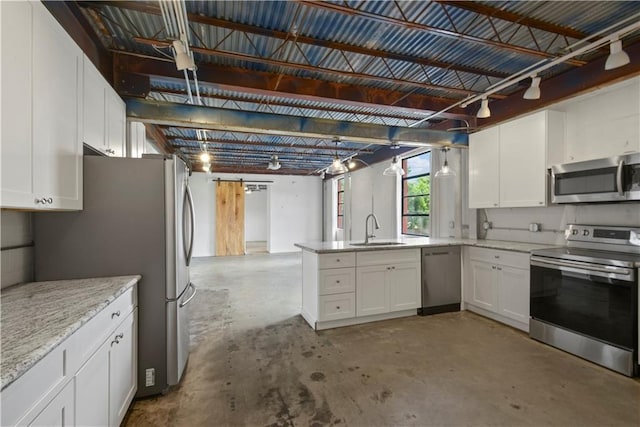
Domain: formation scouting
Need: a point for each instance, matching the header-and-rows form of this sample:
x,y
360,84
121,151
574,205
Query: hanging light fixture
x,y
534,90
206,166
445,170
337,167
484,111
395,169
274,163
205,157
617,57
352,163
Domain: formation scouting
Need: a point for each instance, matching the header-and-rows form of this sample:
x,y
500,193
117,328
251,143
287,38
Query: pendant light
x,y
337,167
274,163
484,111
617,57
395,169
534,90
445,171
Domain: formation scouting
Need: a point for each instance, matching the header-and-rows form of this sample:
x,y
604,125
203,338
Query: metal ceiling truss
x,y
334,85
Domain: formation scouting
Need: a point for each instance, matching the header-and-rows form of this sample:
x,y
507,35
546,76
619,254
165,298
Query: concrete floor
x,y
255,362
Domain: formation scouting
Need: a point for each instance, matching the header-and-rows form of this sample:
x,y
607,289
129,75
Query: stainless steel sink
x,y
377,244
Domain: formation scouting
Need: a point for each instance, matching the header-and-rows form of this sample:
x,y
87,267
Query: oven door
x,y
593,300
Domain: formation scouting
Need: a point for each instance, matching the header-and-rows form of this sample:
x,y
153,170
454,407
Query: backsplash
x,y
16,243
513,223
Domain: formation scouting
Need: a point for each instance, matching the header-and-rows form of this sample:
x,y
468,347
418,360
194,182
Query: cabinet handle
x,y
117,339
337,307
500,268
493,267
495,204
49,200
393,268
337,259
110,151
42,201
115,314
337,281
496,256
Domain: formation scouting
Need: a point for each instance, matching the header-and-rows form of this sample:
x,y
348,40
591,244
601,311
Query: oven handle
x,y
621,273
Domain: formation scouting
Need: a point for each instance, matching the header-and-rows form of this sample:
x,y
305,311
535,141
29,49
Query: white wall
x,y
294,211
255,217
16,241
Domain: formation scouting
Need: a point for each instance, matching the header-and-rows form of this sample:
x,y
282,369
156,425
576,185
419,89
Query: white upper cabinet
x,y
604,123
137,138
508,163
42,111
484,163
104,114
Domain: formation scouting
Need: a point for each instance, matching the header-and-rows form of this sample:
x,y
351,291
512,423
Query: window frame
x,y
339,216
404,196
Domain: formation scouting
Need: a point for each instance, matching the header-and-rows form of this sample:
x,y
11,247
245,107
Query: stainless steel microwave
x,y
612,179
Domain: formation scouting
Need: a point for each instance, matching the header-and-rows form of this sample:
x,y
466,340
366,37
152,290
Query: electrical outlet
x,y
150,377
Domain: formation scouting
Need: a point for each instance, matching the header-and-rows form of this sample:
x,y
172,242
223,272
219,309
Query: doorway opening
x,y
256,229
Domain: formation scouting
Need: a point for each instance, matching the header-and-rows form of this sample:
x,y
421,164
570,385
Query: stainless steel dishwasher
x,y
440,280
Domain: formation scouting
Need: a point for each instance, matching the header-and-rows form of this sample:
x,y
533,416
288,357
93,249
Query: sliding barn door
x,y
229,218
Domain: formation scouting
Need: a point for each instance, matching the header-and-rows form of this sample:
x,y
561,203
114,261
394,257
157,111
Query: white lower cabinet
x,y
88,379
107,382
345,288
59,411
496,284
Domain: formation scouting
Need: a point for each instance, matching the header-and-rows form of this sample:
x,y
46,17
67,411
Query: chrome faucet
x,y
366,227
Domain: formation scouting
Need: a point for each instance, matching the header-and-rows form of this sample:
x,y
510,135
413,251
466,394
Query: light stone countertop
x,y
323,247
38,316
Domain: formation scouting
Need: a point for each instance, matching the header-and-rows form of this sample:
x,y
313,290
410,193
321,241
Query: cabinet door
x,y
523,171
17,73
57,128
484,169
92,385
404,287
513,295
371,290
94,107
60,411
116,123
483,285
123,368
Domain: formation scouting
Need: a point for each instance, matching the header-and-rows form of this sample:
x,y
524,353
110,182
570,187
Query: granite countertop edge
x,y
327,247
11,373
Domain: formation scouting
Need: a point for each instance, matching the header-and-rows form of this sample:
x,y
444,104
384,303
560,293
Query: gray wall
x,y
16,241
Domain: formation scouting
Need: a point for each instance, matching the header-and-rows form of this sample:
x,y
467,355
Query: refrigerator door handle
x,y
188,251
188,300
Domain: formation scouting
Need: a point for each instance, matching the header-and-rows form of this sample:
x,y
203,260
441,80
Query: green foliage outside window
x,y
416,190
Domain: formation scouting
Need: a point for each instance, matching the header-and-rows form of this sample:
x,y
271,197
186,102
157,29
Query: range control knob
x,y
574,231
585,233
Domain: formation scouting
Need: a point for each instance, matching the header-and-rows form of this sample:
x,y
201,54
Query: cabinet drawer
x,y
494,256
30,393
88,338
338,306
337,260
394,256
337,281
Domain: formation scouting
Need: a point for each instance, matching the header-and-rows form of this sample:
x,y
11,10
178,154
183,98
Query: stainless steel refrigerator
x,y
138,218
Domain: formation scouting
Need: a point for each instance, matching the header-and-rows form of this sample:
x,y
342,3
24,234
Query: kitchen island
x,y
347,283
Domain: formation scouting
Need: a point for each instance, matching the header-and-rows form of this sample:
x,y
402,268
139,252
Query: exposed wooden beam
x,y
262,84
346,10
564,86
152,8
265,144
505,15
193,116
312,68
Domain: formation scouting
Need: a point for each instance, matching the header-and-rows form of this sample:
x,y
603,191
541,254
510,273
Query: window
x,y
416,188
340,199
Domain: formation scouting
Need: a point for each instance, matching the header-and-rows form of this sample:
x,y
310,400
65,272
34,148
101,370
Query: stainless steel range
x,y
584,297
